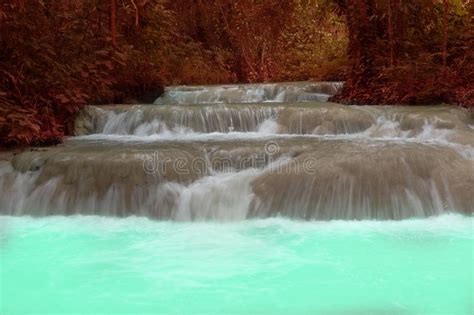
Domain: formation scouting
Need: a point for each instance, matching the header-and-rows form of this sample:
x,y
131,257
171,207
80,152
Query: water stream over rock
x,y
243,151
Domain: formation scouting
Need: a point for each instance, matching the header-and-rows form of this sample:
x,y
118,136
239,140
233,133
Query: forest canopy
x,y
59,55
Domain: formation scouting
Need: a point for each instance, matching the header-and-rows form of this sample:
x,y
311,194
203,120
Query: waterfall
x,y
235,152
250,93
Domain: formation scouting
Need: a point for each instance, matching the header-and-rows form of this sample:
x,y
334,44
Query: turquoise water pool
x,y
273,266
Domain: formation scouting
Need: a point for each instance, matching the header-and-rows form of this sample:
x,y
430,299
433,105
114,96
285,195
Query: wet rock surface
x,y
258,151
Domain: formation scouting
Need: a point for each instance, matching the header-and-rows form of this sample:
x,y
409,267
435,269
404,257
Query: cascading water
x,y
250,93
127,216
262,150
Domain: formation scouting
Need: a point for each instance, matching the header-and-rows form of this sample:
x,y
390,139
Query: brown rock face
x,y
367,181
231,161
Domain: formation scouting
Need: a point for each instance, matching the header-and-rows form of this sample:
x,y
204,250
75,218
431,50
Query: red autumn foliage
x,y
45,74
57,55
417,52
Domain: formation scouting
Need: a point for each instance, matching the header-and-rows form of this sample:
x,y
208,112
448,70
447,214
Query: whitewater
x,y
243,199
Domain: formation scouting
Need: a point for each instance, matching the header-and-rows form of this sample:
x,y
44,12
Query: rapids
x,y
250,93
229,153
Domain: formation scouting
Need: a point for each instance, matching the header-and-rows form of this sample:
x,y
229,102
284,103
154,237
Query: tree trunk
x,y
362,33
445,32
113,22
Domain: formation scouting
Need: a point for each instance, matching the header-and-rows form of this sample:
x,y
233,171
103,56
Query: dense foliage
x,y
410,52
57,55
